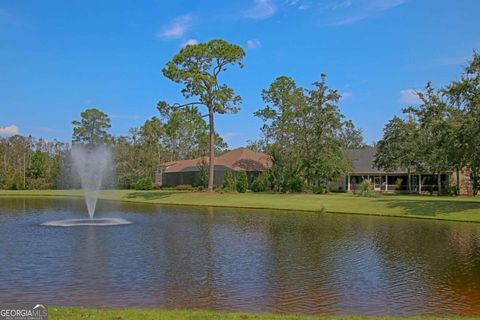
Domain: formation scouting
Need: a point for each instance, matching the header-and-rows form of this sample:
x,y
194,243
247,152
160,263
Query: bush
x,y
242,181
144,184
228,182
261,183
203,173
430,189
319,189
219,189
449,191
183,187
366,188
295,184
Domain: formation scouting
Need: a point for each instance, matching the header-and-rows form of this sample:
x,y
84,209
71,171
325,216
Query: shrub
x,y
228,182
203,173
319,189
295,184
182,187
449,191
261,183
242,181
339,190
366,188
430,189
144,184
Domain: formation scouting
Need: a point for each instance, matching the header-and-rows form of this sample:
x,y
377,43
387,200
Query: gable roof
x,y
237,159
363,161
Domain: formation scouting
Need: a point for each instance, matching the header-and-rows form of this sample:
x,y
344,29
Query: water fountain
x,y
92,164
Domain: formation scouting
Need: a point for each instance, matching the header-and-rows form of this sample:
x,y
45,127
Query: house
x,y
363,168
189,172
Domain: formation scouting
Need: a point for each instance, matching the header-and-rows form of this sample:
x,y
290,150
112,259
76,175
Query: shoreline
x,y
67,313
458,209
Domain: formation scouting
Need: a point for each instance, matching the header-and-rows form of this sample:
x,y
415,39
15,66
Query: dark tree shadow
x,y
432,207
149,195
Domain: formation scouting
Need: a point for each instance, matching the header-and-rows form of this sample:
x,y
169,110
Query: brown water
x,y
231,259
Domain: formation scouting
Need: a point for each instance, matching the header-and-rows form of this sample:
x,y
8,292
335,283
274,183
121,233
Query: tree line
x,y
28,163
441,134
304,131
300,124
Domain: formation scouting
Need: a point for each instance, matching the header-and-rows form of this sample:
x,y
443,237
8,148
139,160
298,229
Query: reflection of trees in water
x,y
440,259
257,260
320,265
179,248
24,205
369,264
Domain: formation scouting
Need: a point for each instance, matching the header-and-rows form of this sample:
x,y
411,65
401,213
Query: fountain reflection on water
x,y
86,222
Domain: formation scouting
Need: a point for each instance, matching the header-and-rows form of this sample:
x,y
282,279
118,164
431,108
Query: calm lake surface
x,y
242,260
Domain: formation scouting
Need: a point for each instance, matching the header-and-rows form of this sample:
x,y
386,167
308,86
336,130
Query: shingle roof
x,y
363,161
246,159
237,159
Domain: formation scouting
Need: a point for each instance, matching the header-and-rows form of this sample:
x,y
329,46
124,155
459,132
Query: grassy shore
x,y
414,206
159,314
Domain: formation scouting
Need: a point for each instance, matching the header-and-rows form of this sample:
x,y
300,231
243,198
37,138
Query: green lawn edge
x,y
64,313
464,209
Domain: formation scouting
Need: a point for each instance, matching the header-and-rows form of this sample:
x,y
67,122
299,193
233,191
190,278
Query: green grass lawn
x,y
414,206
159,314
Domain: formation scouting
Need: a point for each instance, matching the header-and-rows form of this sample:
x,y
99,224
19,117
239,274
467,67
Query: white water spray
x,y
92,164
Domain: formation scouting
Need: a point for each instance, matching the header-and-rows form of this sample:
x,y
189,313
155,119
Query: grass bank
x,y
159,314
426,207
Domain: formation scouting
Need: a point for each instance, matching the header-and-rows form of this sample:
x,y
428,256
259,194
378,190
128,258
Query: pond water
x,y
237,260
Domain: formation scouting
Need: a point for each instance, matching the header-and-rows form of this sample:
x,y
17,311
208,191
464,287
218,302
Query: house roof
x,y
237,159
363,161
248,160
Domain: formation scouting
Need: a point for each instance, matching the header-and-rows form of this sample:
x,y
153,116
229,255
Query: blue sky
x,y
58,58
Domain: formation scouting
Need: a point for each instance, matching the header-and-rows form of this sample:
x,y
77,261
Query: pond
x,y
237,260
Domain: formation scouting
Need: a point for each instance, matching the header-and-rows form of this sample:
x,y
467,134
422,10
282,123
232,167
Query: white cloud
x,y
262,9
367,9
304,6
254,43
189,42
346,95
230,136
292,2
341,4
382,5
300,5
177,28
454,60
409,96
9,131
